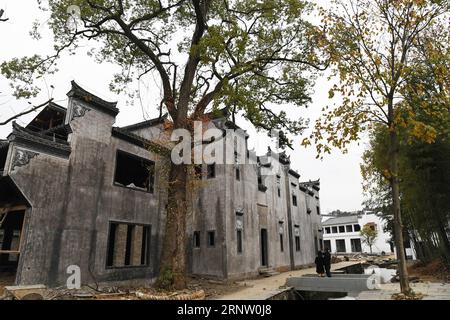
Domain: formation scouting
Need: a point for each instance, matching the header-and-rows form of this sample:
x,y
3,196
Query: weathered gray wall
x,y
73,202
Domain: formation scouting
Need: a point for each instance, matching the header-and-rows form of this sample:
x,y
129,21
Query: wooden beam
x,y
13,208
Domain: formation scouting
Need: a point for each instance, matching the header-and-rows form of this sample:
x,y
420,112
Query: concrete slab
x,y
260,289
357,283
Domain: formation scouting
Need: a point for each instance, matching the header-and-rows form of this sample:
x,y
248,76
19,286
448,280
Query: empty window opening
x,y
281,243
196,239
211,171
279,192
294,200
327,230
11,226
318,210
238,174
134,172
341,229
128,245
211,238
356,227
239,240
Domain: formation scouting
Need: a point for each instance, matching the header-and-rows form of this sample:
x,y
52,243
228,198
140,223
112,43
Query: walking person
x,y
327,262
319,264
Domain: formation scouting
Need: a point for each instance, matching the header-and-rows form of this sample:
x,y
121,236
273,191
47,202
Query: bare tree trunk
x,y
398,226
173,261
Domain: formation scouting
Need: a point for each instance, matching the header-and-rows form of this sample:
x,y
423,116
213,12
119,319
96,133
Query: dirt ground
x,y
434,271
206,289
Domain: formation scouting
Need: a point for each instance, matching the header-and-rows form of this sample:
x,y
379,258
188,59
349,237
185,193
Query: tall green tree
x,y
372,44
424,163
245,54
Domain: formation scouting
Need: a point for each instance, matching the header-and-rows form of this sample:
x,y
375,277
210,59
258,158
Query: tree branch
x,y
34,108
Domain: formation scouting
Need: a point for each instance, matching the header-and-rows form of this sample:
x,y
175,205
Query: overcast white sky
x,y
339,174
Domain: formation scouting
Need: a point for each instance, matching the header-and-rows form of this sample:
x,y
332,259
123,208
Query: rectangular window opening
x,y
294,200
196,239
297,243
239,241
128,245
340,245
134,172
211,238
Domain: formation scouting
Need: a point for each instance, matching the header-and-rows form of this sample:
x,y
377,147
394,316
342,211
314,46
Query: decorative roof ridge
x,y
23,134
78,92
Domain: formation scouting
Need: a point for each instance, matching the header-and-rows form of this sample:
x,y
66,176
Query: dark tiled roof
x,y
41,140
341,220
311,184
57,107
80,93
145,124
294,173
138,141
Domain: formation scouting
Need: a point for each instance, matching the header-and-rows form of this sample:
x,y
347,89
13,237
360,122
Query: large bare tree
x,y
245,54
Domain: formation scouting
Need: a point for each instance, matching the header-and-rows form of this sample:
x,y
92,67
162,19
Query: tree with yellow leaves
x,y
375,45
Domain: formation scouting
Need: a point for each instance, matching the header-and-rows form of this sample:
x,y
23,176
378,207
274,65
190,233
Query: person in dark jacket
x,y
319,264
327,262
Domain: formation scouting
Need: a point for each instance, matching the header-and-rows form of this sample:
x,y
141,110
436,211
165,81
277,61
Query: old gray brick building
x,y
76,190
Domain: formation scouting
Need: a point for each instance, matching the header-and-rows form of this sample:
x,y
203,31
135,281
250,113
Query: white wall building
x,y
342,234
